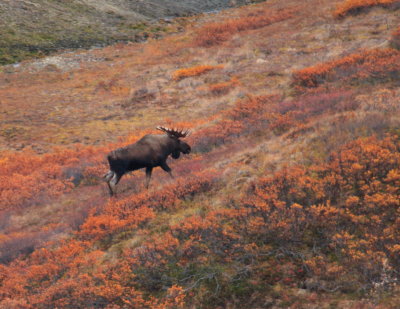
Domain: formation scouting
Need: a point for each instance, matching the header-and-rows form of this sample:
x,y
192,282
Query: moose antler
x,y
174,132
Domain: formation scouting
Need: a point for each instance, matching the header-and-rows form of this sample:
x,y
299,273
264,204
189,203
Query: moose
x,y
150,151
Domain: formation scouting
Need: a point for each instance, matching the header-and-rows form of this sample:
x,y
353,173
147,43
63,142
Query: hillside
x,y
39,27
289,199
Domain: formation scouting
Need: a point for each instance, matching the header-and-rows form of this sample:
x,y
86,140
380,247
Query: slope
x,y
40,27
286,201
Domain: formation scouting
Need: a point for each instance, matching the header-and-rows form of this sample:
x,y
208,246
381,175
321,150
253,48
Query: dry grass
x,y
356,6
395,40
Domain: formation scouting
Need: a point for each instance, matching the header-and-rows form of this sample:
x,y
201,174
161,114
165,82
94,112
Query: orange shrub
x,y
216,33
248,115
194,71
264,114
380,65
224,87
167,198
135,210
328,227
304,224
27,178
71,275
355,6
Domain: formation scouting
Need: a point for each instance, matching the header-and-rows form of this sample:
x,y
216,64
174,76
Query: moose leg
x,y
108,175
110,190
148,176
166,168
113,182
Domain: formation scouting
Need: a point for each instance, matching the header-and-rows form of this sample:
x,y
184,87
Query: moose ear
x,y
176,154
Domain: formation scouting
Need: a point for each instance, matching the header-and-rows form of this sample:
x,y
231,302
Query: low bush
x,y
216,33
318,228
194,71
373,66
223,87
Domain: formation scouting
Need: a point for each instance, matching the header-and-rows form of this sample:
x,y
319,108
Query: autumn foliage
x,y
337,210
27,178
248,115
333,226
290,197
259,115
355,6
223,88
194,71
133,211
380,65
81,279
215,33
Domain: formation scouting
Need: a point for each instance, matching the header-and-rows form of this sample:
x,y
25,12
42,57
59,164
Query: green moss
x,y
158,29
138,26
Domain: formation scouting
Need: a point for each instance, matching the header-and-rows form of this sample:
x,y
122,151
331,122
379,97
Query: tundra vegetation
x,y
290,197
37,28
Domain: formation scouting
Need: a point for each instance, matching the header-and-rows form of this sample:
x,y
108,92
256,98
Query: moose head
x,y
181,146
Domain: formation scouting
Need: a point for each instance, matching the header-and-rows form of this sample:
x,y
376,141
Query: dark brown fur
x,y
149,152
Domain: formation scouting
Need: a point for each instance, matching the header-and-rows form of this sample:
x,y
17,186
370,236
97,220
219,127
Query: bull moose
x,y
150,151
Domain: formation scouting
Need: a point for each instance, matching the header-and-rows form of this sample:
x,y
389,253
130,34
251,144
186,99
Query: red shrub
x,y
248,115
27,178
380,65
137,209
216,33
307,106
326,227
224,87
